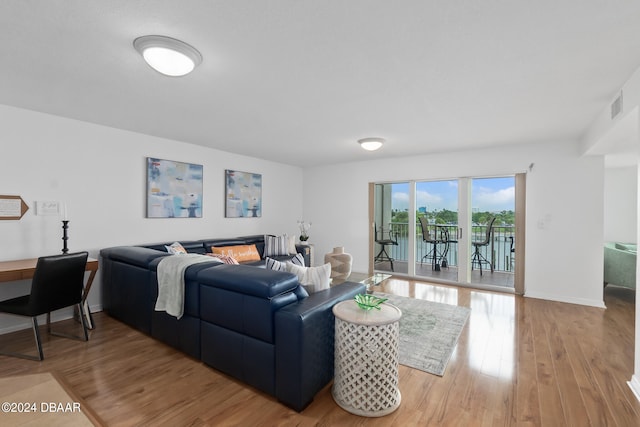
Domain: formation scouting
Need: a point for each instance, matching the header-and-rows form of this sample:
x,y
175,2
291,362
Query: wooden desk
x,y
22,269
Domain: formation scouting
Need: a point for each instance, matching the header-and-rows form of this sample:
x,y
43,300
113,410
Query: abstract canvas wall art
x,y
243,196
174,189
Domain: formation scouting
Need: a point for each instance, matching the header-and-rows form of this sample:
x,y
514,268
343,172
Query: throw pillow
x,y
239,252
292,245
276,245
274,264
175,248
224,258
313,279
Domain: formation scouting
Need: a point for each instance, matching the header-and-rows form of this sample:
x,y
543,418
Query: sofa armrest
x,y
304,337
134,255
127,293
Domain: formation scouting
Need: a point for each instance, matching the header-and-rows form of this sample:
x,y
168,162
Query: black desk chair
x,y
384,239
57,283
478,258
433,241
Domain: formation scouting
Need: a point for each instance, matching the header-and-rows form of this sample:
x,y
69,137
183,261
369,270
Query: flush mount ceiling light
x,y
168,56
371,144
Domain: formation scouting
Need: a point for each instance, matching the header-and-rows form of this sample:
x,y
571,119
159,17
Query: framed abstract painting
x,y
243,194
174,189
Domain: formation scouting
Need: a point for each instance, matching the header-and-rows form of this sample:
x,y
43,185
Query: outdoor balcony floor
x,y
424,270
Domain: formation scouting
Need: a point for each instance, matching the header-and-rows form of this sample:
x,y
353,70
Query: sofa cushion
x,y
256,239
224,258
241,253
192,246
313,279
274,264
175,248
276,245
291,243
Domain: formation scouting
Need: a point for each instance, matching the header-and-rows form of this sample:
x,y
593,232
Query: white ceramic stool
x,y
366,359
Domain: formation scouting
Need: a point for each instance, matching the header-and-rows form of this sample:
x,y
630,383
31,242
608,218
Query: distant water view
x,y
500,245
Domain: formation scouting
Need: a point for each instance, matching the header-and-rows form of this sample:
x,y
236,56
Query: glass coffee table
x,y
369,281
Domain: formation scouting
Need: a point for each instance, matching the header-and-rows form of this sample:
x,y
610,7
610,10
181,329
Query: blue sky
x,y
487,194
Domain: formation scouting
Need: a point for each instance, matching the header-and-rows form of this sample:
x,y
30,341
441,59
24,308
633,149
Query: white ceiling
x,y
299,81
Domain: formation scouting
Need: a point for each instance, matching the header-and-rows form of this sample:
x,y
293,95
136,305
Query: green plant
x,y
304,230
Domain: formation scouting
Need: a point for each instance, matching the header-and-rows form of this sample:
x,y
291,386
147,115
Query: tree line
x,y
445,216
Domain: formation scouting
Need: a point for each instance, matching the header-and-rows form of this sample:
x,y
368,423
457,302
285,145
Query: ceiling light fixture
x,y
168,56
371,144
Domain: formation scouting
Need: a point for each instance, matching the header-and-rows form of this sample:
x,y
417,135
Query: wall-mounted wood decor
x,y
12,207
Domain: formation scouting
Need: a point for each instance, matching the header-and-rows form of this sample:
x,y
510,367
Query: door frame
x,y
464,229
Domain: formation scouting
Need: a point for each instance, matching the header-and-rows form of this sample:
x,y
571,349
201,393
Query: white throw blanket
x,y
171,281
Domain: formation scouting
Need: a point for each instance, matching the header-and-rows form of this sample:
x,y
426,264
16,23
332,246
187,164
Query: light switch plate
x,y
47,208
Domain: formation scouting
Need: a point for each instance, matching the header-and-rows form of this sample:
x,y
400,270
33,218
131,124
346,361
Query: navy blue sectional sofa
x,y
251,323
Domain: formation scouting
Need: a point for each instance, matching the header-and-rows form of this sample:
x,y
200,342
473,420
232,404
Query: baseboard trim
x,y
634,384
569,300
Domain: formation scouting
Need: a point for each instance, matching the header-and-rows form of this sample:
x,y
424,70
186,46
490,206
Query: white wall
x,y
100,173
604,125
604,134
564,231
634,383
620,201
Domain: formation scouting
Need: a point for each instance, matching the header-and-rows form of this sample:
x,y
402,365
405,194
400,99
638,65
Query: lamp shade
x,y
371,144
167,55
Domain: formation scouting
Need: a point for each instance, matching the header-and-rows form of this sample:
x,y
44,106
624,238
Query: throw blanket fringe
x,y
171,281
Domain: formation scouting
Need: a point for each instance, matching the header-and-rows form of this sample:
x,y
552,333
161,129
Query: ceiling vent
x,y
616,107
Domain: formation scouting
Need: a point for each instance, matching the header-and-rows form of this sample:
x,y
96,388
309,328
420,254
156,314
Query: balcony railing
x,y
498,251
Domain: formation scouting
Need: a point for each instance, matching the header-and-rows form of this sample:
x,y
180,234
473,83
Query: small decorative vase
x,y
340,264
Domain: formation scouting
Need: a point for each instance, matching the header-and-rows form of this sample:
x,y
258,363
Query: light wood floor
x,y
39,391
518,362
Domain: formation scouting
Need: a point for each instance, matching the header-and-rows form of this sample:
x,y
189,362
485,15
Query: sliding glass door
x,y
437,229
493,231
390,227
460,230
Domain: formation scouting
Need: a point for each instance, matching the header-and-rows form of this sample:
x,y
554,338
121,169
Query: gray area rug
x,y
429,332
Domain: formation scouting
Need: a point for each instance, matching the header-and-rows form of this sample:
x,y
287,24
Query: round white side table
x,y
366,359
